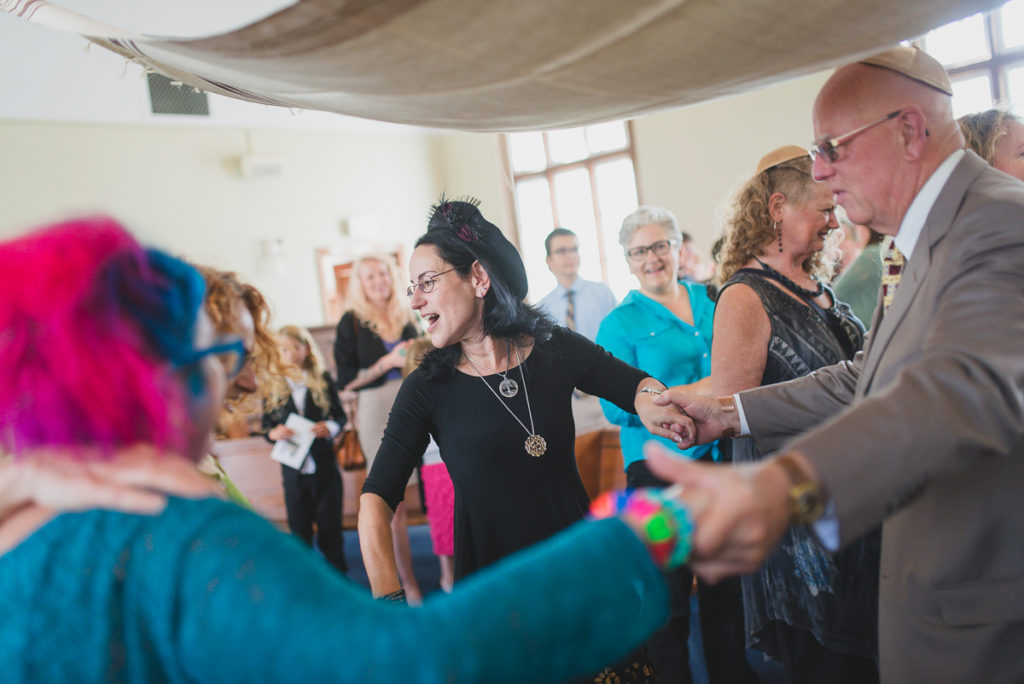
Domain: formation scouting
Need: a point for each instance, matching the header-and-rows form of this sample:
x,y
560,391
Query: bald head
x,y
879,171
861,92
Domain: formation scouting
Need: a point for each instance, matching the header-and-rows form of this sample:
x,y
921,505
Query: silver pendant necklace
x,y
508,387
535,444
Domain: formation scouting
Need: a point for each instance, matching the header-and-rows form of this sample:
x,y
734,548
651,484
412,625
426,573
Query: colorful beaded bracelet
x,y
664,523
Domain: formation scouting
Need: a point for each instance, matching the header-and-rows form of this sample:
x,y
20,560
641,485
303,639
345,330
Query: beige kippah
x,y
783,154
915,64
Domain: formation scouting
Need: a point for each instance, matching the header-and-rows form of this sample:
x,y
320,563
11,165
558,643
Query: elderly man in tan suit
x,y
925,429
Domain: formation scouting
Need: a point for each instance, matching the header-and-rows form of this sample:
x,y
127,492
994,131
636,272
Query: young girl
x,y
312,492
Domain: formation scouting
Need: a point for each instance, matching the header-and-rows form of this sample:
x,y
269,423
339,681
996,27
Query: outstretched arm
x,y
530,618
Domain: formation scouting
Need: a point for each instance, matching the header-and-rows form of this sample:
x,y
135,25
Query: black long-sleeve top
x,y
505,499
357,347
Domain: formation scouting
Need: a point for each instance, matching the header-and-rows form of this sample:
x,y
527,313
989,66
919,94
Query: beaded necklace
x,y
802,291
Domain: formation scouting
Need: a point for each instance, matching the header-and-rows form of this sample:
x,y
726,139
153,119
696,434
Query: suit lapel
x,y
938,223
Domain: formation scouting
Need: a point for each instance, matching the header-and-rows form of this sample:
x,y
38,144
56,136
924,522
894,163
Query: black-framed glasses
x,y
231,352
829,148
659,248
426,284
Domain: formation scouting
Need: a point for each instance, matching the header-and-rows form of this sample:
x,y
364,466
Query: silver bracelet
x,y
648,390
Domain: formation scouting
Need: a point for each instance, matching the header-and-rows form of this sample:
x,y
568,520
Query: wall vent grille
x,y
166,98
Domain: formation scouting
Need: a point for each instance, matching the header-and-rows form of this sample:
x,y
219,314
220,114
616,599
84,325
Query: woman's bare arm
x,y
376,545
739,350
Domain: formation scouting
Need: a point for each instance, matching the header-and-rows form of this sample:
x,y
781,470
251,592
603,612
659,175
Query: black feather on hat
x,y
482,238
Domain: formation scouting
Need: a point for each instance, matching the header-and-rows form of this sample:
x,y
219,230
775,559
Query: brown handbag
x,y
348,452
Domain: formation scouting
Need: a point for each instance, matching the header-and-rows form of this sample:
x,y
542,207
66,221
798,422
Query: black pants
x,y
721,619
316,498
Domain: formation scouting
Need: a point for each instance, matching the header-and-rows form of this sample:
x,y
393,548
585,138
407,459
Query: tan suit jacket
x,y
925,430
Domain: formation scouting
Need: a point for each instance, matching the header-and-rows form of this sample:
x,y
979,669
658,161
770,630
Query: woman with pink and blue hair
x,y
110,380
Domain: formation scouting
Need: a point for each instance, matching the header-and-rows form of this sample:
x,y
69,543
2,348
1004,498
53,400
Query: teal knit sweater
x,y
207,591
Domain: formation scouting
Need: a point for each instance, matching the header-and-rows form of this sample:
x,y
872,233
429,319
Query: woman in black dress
x,y
496,395
775,321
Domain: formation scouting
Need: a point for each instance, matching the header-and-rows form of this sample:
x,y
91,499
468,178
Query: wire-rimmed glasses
x,y
426,284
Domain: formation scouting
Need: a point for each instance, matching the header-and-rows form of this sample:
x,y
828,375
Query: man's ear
x,y
913,130
480,279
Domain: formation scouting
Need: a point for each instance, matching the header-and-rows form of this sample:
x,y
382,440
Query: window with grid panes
x,y
984,55
582,179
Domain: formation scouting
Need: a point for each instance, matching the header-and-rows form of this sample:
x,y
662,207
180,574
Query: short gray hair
x,y
646,215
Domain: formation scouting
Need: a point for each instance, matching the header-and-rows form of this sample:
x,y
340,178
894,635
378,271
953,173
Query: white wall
x,y
468,164
693,159
175,187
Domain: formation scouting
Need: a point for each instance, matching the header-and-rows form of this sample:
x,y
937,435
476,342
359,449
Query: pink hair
x,y
75,366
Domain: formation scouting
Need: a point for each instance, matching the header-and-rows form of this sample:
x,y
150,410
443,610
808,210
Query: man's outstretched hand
x,y
740,511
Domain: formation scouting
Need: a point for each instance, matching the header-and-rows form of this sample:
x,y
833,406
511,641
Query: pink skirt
x,y
440,495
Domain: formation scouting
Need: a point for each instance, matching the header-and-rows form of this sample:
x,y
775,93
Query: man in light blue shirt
x,y
576,303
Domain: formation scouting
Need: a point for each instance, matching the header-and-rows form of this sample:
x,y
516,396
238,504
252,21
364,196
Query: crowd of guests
x,y
457,381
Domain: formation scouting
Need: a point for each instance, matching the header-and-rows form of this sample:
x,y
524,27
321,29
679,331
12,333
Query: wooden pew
x,y
599,459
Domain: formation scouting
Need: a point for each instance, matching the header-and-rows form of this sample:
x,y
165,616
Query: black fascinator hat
x,y
462,219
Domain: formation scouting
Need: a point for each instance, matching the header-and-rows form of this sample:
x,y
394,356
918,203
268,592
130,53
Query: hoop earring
x,y
778,230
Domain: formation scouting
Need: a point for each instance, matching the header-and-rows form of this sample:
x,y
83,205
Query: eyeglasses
x,y
565,250
828,148
231,352
659,248
426,285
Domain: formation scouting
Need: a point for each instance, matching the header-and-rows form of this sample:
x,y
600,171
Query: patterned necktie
x,y
570,312
892,269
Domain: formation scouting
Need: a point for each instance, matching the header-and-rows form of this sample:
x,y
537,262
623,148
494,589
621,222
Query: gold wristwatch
x,y
806,497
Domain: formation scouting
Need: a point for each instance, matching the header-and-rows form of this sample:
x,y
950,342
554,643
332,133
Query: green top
x,y
859,285
208,591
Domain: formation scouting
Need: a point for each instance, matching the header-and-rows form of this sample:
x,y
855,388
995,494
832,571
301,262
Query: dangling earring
x,y
779,231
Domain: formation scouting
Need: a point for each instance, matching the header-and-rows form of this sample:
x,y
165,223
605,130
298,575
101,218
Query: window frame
x,y
549,172
996,66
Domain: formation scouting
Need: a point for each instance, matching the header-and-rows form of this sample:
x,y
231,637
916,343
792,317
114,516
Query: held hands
x,y
663,419
708,420
740,511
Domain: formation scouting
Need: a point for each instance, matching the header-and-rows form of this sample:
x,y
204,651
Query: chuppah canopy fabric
x,y
507,65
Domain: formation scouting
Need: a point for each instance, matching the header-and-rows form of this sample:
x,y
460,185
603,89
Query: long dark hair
x,y
462,237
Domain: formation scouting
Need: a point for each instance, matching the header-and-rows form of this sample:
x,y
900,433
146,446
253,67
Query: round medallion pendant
x,y
508,388
536,446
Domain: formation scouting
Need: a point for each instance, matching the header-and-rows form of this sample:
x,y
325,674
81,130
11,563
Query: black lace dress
x,y
833,596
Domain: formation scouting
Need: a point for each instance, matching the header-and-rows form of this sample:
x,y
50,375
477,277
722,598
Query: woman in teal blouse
x,y
191,588
664,328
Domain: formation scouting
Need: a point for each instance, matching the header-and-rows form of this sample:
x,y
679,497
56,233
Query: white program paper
x,y
293,451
